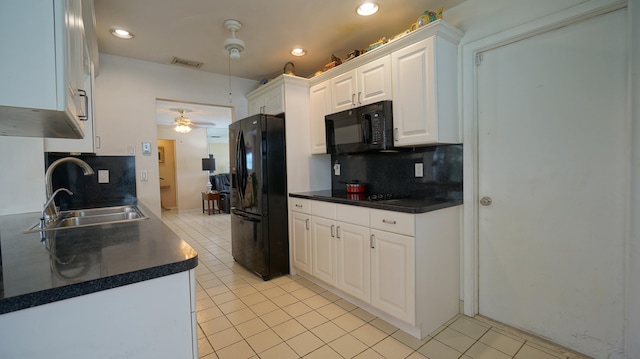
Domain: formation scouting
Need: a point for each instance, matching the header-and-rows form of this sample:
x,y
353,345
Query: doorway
x,y
167,170
208,123
553,155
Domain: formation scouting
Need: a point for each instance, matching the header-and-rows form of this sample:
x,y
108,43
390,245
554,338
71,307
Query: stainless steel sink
x,y
91,217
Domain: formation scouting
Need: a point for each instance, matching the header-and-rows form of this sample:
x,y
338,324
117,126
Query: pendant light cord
x,y
230,95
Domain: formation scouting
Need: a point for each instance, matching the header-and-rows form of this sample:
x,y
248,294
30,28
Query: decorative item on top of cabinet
x,y
47,95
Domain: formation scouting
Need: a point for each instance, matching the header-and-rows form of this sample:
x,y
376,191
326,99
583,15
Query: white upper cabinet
x,y
424,93
45,69
418,72
366,84
270,102
319,107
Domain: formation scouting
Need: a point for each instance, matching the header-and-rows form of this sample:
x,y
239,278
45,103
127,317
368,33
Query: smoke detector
x,y
233,45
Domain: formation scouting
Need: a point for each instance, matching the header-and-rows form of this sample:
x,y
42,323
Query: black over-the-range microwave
x,y
367,128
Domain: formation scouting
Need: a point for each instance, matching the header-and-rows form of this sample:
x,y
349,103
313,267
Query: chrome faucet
x,y
50,211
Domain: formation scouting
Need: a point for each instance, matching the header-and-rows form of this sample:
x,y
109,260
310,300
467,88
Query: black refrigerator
x,y
259,225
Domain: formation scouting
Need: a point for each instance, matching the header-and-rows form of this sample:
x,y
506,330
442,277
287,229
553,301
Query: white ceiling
x,y
194,30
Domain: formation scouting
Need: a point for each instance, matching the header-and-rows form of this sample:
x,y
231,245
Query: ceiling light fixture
x,y
298,52
121,33
367,8
233,45
183,124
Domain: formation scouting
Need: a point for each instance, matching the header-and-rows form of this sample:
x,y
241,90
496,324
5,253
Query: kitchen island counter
x,y
80,261
106,291
407,205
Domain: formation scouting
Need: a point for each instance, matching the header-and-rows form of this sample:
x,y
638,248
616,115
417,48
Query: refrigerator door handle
x,y
245,217
241,165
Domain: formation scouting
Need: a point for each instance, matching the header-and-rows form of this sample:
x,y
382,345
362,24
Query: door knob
x,y
486,201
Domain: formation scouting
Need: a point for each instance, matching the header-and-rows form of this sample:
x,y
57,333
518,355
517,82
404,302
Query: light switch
x,y
131,150
144,175
336,169
419,169
103,176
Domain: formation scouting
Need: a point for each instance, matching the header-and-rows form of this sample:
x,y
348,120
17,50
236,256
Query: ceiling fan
x,y
184,125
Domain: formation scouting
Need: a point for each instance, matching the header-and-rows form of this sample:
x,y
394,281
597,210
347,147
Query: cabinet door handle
x,y
298,205
307,223
371,239
360,98
353,99
85,117
395,134
333,227
338,232
388,221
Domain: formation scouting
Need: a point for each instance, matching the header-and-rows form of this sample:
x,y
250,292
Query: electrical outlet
x,y
103,176
144,175
336,169
419,169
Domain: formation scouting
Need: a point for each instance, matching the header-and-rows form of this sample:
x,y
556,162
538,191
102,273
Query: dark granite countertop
x,y
408,205
80,261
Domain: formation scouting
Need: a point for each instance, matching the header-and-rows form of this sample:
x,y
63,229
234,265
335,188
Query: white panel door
x,y
323,249
354,258
553,157
414,94
343,91
301,240
319,107
393,274
374,81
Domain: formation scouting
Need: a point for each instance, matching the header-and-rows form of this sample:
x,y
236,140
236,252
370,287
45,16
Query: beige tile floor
x,y
241,316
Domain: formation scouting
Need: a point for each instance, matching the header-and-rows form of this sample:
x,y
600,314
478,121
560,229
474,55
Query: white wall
x,y
125,105
21,175
220,152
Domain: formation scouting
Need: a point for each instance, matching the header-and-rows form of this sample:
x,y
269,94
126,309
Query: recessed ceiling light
x,y
121,33
367,8
298,52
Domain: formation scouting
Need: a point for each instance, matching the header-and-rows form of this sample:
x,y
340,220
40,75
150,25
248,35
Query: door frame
x,y
468,85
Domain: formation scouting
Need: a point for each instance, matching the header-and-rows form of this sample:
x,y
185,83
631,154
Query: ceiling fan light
x,y
367,8
182,128
234,53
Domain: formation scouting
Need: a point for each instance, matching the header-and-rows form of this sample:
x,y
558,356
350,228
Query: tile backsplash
x,y
87,192
394,172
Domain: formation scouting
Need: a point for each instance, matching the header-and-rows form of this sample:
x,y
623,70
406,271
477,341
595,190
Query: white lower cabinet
x,y
150,319
299,233
323,247
354,260
301,240
402,267
393,274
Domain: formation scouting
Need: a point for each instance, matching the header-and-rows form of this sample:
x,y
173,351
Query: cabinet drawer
x,y
395,222
299,205
323,209
352,214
